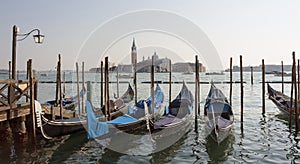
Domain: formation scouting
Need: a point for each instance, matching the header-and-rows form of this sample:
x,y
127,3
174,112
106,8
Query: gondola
x,y
53,128
68,103
134,120
128,95
177,118
59,127
118,106
218,115
282,101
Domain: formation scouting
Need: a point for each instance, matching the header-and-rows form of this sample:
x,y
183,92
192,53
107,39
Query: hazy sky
x,y
88,30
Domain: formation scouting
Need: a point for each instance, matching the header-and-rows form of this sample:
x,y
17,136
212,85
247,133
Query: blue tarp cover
x,y
158,98
124,119
140,103
95,128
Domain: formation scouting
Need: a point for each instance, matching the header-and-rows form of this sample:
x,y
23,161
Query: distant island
x,y
4,71
268,68
161,65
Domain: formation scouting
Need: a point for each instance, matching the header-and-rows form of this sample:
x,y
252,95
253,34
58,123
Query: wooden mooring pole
x,y
230,88
298,81
9,69
101,84
14,51
263,87
83,88
52,112
118,95
170,82
60,90
242,92
57,86
196,94
298,86
18,75
135,80
282,77
152,87
198,86
64,84
27,77
89,91
292,88
58,94
78,92
107,89
296,96
251,75
32,107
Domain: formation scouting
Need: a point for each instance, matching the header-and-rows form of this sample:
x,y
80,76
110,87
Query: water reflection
x,y
167,155
138,149
219,152
283,118
14,147
120,145
67,147
276,136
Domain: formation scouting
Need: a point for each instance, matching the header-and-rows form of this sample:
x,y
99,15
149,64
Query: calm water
x,y
264,139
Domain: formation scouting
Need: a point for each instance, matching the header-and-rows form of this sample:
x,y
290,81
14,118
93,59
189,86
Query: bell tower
x,y
133,53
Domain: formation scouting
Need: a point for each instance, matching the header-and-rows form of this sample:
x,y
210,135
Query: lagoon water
x,y
264,139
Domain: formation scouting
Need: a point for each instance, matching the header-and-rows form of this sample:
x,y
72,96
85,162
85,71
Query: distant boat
x,y
124,76
188,73
284,74
278,73
274,72
214,73
4,71
44,74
